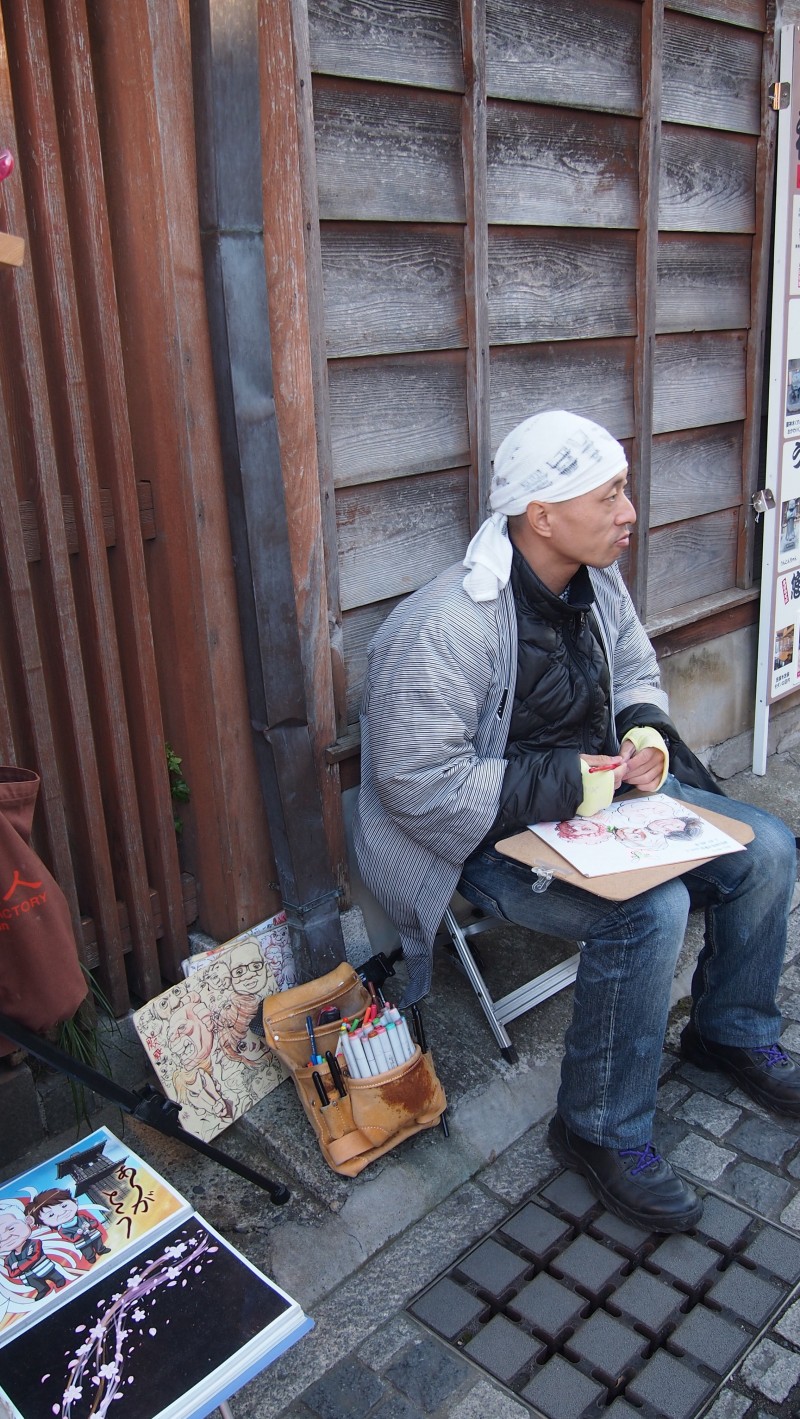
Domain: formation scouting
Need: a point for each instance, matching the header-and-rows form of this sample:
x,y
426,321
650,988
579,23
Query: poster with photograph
x,y
792,409
794,250
68,1220
649,831
785,662
206,1042
789,509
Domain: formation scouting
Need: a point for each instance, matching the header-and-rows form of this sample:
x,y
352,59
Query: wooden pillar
x,y
28,469
283,113
281,694
476,255
142,63
96,300
646,264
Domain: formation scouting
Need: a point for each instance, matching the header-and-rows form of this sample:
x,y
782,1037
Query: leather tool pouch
x,y
377,1112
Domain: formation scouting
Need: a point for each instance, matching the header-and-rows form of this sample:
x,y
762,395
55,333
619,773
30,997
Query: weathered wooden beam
x,y
476,253
309,194
646,265
126,504
225,39
287,289
69,383
143,71
33,467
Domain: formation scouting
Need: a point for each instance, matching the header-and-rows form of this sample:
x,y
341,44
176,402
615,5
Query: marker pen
x,y
351,1061
372,1065
380,1045
404,1032
362,1057
395,1043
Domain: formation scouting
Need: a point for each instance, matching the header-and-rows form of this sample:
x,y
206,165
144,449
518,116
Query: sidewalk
x,y
355,1253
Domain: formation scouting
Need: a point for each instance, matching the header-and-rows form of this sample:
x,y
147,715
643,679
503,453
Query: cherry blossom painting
x,y
168,1334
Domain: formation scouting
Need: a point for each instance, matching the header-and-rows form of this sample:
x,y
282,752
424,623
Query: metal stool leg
x,y
517,1002
476,980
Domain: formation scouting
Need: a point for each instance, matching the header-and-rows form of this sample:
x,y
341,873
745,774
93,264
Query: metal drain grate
x,y
582,1315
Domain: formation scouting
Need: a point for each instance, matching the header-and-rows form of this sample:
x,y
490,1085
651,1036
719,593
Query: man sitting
x,y
527,691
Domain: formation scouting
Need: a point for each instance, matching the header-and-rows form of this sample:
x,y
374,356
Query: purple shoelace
x,y
646,1156
773,1054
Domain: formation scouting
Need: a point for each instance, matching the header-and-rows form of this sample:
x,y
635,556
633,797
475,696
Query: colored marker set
x,y
370,1044
376,1043
362,1070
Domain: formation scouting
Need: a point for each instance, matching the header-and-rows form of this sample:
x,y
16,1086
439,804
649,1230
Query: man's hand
x,y
642,768
608,761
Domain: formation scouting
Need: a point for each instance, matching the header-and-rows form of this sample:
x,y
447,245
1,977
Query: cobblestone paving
x,y
748,1332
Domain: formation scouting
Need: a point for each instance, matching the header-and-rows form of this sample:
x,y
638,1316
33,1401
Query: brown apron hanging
x,y
41,981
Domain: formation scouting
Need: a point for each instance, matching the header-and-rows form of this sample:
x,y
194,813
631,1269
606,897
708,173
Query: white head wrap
x,y
548,458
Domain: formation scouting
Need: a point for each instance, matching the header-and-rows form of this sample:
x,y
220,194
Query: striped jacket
x,y
435,715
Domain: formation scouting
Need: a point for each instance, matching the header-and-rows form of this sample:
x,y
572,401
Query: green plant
x,y
179,788
80,1039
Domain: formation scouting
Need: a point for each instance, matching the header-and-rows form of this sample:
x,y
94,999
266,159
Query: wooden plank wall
x,y
575,193
112,638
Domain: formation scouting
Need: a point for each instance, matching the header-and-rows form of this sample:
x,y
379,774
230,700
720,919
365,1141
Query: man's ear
x,y
538,516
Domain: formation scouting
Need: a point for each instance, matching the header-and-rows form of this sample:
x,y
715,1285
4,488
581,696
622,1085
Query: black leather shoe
x,y
767,1074
634,1183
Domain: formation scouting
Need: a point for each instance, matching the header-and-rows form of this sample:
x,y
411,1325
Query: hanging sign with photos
x,y
778,672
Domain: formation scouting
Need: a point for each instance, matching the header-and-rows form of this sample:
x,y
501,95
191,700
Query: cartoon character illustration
x,y
57,1209
191,1029
191,1046
23,1256
248,984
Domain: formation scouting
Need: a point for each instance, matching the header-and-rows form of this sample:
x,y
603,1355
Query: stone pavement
x,y
356,1252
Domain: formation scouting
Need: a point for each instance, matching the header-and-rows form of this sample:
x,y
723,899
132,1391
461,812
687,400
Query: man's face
x,y
57,1213
666,825
218,976
14,1232
594,529
581,828
249,976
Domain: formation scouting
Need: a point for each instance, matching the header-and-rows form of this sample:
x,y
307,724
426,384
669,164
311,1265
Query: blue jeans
x,y
609,1073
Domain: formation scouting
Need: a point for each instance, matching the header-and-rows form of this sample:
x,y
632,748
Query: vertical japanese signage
x,y
779,630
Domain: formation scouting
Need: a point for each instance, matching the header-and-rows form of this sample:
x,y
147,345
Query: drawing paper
x,y
206,1042
648,831
273,941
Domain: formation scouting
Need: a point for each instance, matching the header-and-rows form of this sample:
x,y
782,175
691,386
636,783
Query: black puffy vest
x,y
562,694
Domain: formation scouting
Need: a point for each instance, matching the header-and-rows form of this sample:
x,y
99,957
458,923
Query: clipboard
x,y
533,852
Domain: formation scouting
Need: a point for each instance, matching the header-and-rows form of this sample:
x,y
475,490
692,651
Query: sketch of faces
x,y
216,980
249,973
582,828
631,837
190,1035
200,1093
